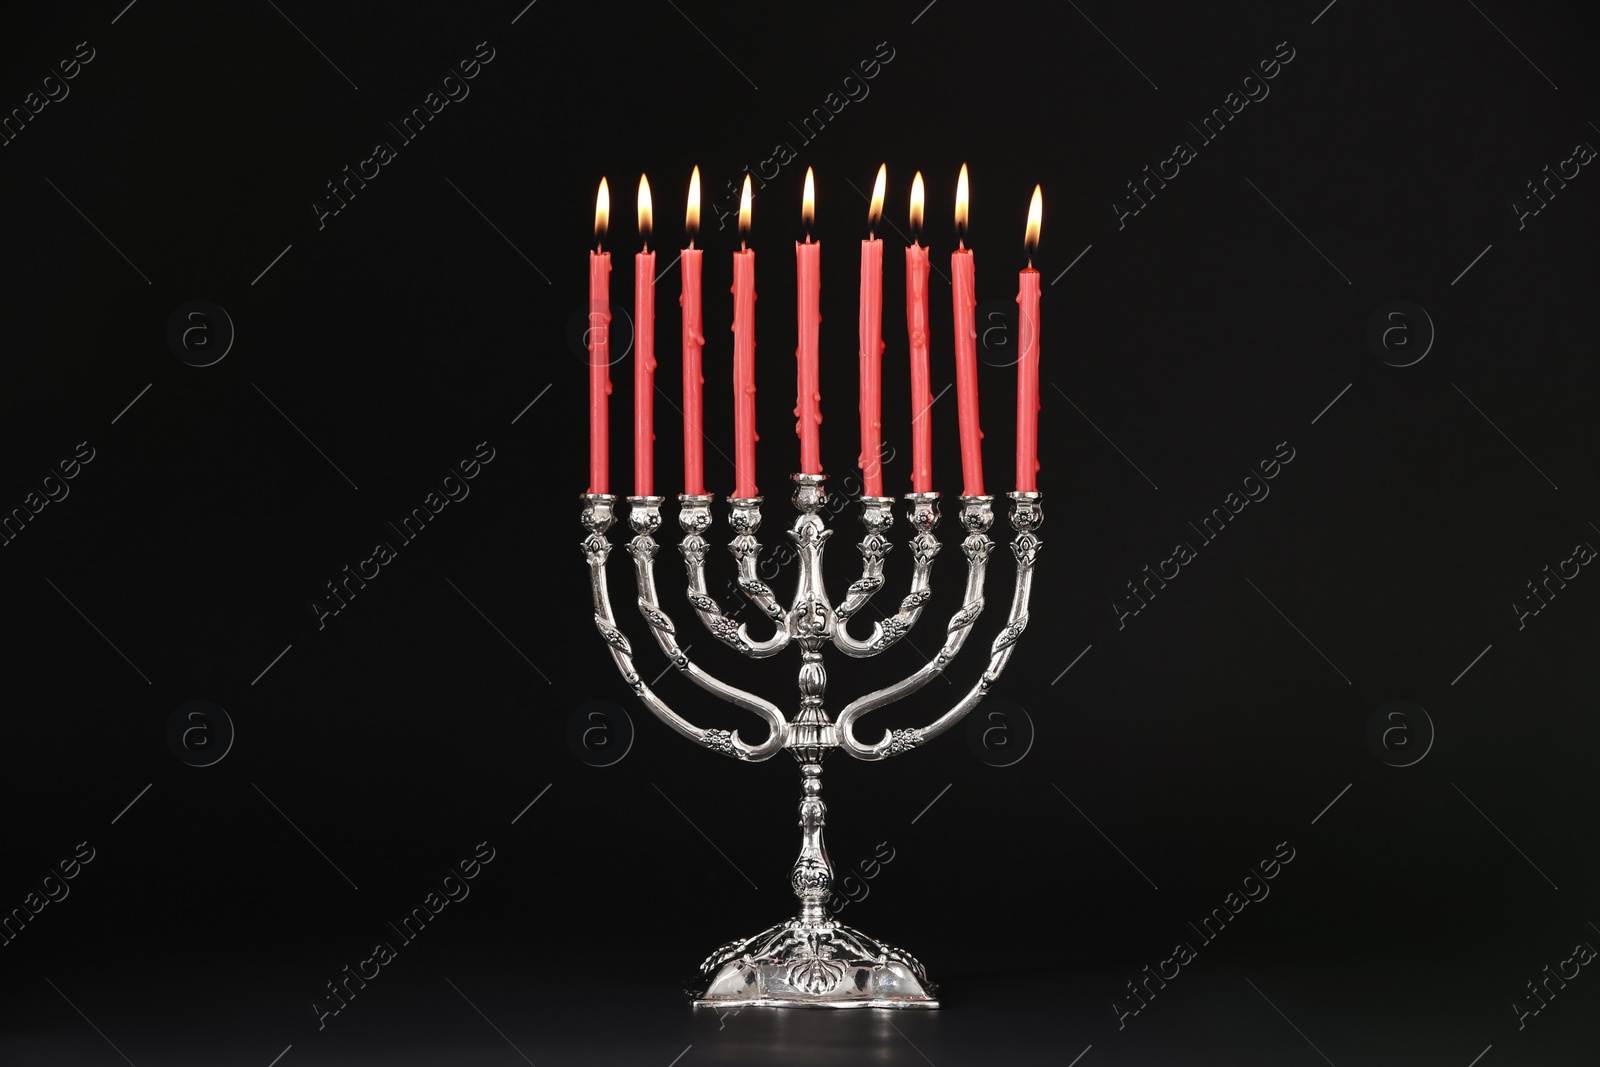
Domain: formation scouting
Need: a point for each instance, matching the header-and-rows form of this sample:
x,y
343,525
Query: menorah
x,y
811,959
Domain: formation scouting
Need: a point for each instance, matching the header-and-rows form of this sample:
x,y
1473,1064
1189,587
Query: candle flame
x,y
644,208
1035,211
916,204
808,204
961,202
691,217
875,212
602,211
744,210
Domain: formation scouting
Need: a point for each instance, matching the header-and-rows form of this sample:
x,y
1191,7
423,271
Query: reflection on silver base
x,y
821,964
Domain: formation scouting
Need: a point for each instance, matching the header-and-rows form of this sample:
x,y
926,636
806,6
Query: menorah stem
x,y
812,878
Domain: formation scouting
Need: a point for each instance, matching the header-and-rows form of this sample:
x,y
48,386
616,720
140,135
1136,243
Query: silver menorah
x,y
811,960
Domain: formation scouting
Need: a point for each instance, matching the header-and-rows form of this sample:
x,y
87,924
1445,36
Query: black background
x,y
422,319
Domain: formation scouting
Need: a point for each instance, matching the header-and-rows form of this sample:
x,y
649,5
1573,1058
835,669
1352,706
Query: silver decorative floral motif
x,y
810,878
924,547
922,511
864,587
613,636
977,514
1026,549
644,514
877,513
1026,514
655,618
597,548
891,630
874,547
816,971
744,515
915,599
966,616
718,741
694,548
726,630
904,740
694,514
1010,634
598,514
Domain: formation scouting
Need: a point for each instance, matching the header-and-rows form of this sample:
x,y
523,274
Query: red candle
x,y
917,330
808,270
744,357
871,346
964,294
599,339
644,365
694,466
1028,359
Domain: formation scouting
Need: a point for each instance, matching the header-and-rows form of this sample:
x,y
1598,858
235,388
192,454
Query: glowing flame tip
x,y
602,210
691,217
1035,213
961,201
645,213
875,212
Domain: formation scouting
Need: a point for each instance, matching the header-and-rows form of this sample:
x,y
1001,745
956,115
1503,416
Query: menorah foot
x,y
823,964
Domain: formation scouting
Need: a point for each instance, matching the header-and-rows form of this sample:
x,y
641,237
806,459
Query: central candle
x,y
744,357
870,332
808,271
917,330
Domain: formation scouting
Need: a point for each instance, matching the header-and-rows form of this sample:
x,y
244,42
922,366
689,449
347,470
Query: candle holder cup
x,y
811,960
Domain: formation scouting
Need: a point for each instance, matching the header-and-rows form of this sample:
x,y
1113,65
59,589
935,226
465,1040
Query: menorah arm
x,y
1026,517
877,515
645,517
695,518
923,514
597,518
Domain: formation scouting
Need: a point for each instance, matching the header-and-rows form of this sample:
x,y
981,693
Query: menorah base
x,y
821,964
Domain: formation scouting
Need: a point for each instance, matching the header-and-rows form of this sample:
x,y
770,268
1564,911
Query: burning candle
x,y
963,293
694,465
917,330
744,356
870,331
1028,360
644,365
808,271
599,343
